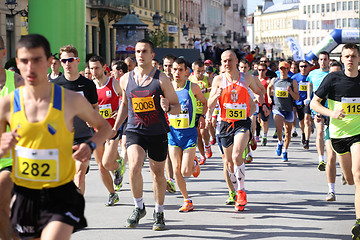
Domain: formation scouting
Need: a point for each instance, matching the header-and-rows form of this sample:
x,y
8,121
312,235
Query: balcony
x,y
227,3
114,5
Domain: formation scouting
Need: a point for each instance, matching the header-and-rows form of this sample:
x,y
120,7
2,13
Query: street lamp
x,y
11,5
157,19
185,31
213,37
202,30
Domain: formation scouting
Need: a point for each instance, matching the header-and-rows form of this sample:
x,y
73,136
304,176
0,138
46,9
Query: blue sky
x,y
251,4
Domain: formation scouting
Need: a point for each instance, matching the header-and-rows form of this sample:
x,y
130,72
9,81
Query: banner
x,y
295,48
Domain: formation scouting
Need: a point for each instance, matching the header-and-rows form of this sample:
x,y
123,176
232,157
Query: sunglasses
x,y
263,61
70,60
261,70
304,66
283,68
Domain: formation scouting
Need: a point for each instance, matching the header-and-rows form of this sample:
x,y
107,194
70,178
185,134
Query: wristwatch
x,y
91,144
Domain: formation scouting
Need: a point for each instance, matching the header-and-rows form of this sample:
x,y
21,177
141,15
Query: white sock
x,y
285,150
321,158
250,154
139,202
331,187
264,135
233,179
159,208
281,142
240,176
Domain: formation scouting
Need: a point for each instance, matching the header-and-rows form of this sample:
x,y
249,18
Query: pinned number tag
x,y
105,110
303,87
180,121
236,111
143,104
282,92
351,106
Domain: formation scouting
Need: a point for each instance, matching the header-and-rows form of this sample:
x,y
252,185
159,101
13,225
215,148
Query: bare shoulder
x,y
164,80
124,80
216,81
5,106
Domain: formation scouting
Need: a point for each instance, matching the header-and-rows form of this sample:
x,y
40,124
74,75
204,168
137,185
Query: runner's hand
x,y
164,103
82,152
8,141
338,114
202,123
219,92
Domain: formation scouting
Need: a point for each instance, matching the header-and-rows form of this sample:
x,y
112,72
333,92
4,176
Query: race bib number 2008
x,y
143,104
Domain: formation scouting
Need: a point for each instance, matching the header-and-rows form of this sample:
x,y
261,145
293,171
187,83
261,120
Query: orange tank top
x,y
234,100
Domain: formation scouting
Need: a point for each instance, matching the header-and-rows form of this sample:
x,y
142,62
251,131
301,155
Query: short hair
x,y
170,57
154,59
336,64
198,63
244,61
120,65
148,42
97,59
181,61
325,53
352,46
34,41
69,49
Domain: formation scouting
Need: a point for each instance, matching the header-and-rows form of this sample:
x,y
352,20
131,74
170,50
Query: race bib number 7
x,y
180,121
351,105
144,104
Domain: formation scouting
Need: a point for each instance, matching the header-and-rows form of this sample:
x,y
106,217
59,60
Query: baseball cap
x,y
284,64
208,61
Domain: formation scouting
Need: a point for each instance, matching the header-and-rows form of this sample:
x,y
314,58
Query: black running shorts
x,y
228,131
343,145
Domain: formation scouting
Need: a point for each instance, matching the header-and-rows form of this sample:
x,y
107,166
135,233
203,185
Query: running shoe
x,y
113,198
208,152
331,197
285,157
263,141
213,141
306,144
248,159
275,135
343,180
117,174
136,215
171,186
322,166
294,134
356,231
257,139
253,144
118,187
232,198
303,139
187,206
201,160
159,221
279,149
196,171
241,200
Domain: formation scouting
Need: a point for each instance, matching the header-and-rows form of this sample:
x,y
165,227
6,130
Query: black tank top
x,y
145,115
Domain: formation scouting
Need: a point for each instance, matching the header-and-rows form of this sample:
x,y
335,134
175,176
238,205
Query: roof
x,y
130,20
281,7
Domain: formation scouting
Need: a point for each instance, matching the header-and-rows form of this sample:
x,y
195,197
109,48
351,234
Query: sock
x,y
159,208
139,202
207,146
321,158
250,154
331,187
233,179
264,135
240,176
189,200
281,142
285,150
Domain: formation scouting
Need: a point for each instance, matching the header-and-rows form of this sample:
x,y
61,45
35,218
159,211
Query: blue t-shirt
x,y
302,87
315,77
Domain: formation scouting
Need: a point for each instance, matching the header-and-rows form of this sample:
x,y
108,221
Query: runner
x,y
203,134
342,90
40,114
315,78
285,91
55,66
147,95
183,133
107,155
72,80
230,89
8,82
264,120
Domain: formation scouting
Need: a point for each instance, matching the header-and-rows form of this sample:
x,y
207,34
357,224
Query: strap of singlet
x,y
187,86
157,74
17,104
57,101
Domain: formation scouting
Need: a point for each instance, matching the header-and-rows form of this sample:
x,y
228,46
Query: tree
x,y
158,37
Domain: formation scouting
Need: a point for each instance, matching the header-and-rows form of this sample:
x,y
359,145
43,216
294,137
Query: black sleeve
x,y
325,86
92,94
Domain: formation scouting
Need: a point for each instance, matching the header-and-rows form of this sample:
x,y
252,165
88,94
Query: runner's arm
x,y
214,94
316,105
294,92
8,139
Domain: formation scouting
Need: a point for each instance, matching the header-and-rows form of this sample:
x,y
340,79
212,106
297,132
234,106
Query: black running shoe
x,y
159,222
133,220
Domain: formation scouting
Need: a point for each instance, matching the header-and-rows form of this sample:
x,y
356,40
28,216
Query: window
x,y
356,5
313,25
344,21
317,24
309,25
304,9
313,41
313,8
344,6
349,22
322,8
309,42
317,8
338,6
350,5
317,39
304,41
328,7
333,7
140,3
338,23
309,9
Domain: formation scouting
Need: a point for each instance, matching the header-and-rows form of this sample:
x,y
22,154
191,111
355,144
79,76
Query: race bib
x,y
105,110
143,104
281,92
37,164
236,111
180,121
351,106
199,104
303,86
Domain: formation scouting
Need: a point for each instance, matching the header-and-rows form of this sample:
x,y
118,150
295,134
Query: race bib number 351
x,y
37,165
351,105
236,111
144,104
